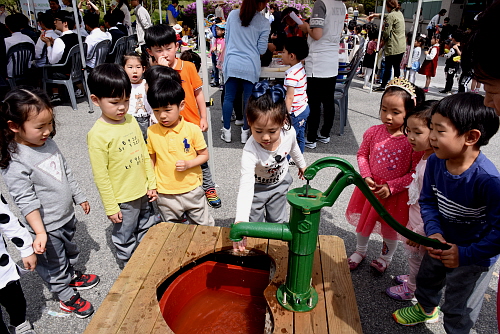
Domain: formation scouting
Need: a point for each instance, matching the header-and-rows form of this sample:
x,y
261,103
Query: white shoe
x,y
24,328
238,122
245,134
310,144
324,140
366,87
226,135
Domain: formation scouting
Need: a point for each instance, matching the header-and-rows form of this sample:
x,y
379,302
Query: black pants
x,y
391,62
320,91
450,73
12,298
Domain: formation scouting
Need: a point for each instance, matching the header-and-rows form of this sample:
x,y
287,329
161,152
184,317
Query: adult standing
x,y
247,32
143,21
127,21
219,11
355,14
433,25
54,7
172,13
322,66
394,41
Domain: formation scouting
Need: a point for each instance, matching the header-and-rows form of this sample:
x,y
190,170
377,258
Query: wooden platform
x,y
131,305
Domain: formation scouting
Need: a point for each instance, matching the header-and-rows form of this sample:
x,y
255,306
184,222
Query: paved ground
x,y
94,231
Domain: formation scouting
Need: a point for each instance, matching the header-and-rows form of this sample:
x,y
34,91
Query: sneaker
x,y
212,198
324,140
410,316
24,328
291,163
366,87
79,94
400,292
214,84
400,279
55,98
238,122
221,87
310,144
226,135
77,305
444,91
83,281
426,90
379,89
245,134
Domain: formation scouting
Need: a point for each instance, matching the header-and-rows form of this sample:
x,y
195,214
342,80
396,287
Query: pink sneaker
x,y
400,279
400,292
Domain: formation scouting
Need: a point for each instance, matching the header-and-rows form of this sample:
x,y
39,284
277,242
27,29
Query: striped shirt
x,y
296,78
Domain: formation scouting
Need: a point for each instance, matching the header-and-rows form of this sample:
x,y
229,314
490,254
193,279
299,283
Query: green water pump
x,y
297,294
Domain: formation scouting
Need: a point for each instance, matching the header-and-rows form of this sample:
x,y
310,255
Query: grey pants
x,y
138,217
55,266
465,288
269,201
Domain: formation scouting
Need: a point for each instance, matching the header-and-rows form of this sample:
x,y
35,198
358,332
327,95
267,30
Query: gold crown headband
x,y
403,84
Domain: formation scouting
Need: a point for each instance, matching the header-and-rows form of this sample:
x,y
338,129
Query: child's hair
x,y
420,40
134,54
109,81
91,20
422,111
15,22
159,72
17,107
247,11
298,46
159,35
458,36
165,92
467,111
373,34
193,57
268,101
409,101
288,10
47,20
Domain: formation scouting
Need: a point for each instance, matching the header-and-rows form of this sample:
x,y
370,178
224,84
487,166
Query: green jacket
x,y
394,33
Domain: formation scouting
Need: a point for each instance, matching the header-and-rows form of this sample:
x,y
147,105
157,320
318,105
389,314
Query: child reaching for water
x,y
264,178
386,162
416,128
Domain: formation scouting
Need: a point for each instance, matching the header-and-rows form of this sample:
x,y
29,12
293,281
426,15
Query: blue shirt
x,y
174,11
244,45
464,208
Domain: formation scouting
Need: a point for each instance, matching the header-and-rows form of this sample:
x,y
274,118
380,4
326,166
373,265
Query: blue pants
x,y
230,89
215,70
299,124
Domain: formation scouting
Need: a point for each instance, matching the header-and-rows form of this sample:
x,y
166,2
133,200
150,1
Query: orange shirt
x,y
191,82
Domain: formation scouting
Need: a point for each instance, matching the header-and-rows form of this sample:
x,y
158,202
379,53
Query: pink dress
x,y
386,159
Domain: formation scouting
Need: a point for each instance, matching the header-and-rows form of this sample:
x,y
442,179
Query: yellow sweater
x,y
120,162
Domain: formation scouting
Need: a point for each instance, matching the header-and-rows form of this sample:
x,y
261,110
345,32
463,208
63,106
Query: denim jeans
x,y
299,124
230,89
215,70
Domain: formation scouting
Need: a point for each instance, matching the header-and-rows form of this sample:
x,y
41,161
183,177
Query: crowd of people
x,y
149,155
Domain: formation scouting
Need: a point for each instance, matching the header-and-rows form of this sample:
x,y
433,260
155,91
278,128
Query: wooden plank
x,y
161,326
341,306
314,321
202,243
258,244
143,312
127,285
223,241
283,319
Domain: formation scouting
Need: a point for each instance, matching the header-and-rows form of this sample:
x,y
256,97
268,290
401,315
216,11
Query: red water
x,y
222,312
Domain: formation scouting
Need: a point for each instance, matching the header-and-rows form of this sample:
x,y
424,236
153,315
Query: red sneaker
x,y
83,281
77,305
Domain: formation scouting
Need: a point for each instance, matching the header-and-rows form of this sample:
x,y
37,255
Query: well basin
x,y
216,298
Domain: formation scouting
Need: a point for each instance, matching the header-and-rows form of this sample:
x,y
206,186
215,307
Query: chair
x,y
119,50
20,57
101,50
74,59
132,42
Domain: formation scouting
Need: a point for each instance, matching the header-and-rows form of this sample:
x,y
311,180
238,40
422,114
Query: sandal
x,y
354,264
380,265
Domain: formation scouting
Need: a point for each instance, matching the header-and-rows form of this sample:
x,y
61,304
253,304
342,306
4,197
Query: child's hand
x,y
301,173
162,61
383,190
182,165
450,257
240,246
116,218
412,243
436,253
203,125
152,195
86,207
39,243
371,184
29,262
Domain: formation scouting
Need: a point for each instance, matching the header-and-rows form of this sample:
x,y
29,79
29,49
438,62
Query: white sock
x,y
362,243
368,74
388,249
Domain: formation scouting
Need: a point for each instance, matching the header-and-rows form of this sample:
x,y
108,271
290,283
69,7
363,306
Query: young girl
x,y
417,132
11,293
264,178
386,162
430,63
369,59
415,58
44,189
217,48
134,65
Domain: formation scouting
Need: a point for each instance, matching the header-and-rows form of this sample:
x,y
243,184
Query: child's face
x,y
287,58
134,70
266,132
433,41
219,31
113,109
169,116
492,96
392,113
164,54
444,138
36,130
417,133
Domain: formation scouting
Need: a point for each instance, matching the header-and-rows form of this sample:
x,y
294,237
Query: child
x,y
264,178
190,55
416,128
217,45
134,66
452,61
43,187
177,149
120,163
430,63
459,206
415,58
161,46
369,58
11,293
294,51
386,162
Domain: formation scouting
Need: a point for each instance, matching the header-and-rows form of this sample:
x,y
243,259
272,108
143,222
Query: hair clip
x,y
277,92
404,85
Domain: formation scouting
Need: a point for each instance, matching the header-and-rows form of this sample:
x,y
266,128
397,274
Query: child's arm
x,y
200,101
201,158
35,220
290,92
399,184
297,155
363,157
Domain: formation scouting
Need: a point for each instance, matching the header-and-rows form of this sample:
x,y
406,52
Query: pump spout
x,y
260,230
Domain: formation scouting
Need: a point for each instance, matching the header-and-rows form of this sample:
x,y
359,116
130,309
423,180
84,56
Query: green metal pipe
x,y
260,230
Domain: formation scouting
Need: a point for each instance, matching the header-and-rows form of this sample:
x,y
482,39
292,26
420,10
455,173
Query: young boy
x,y
177,149
161,45
120,161
459,206
294,50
